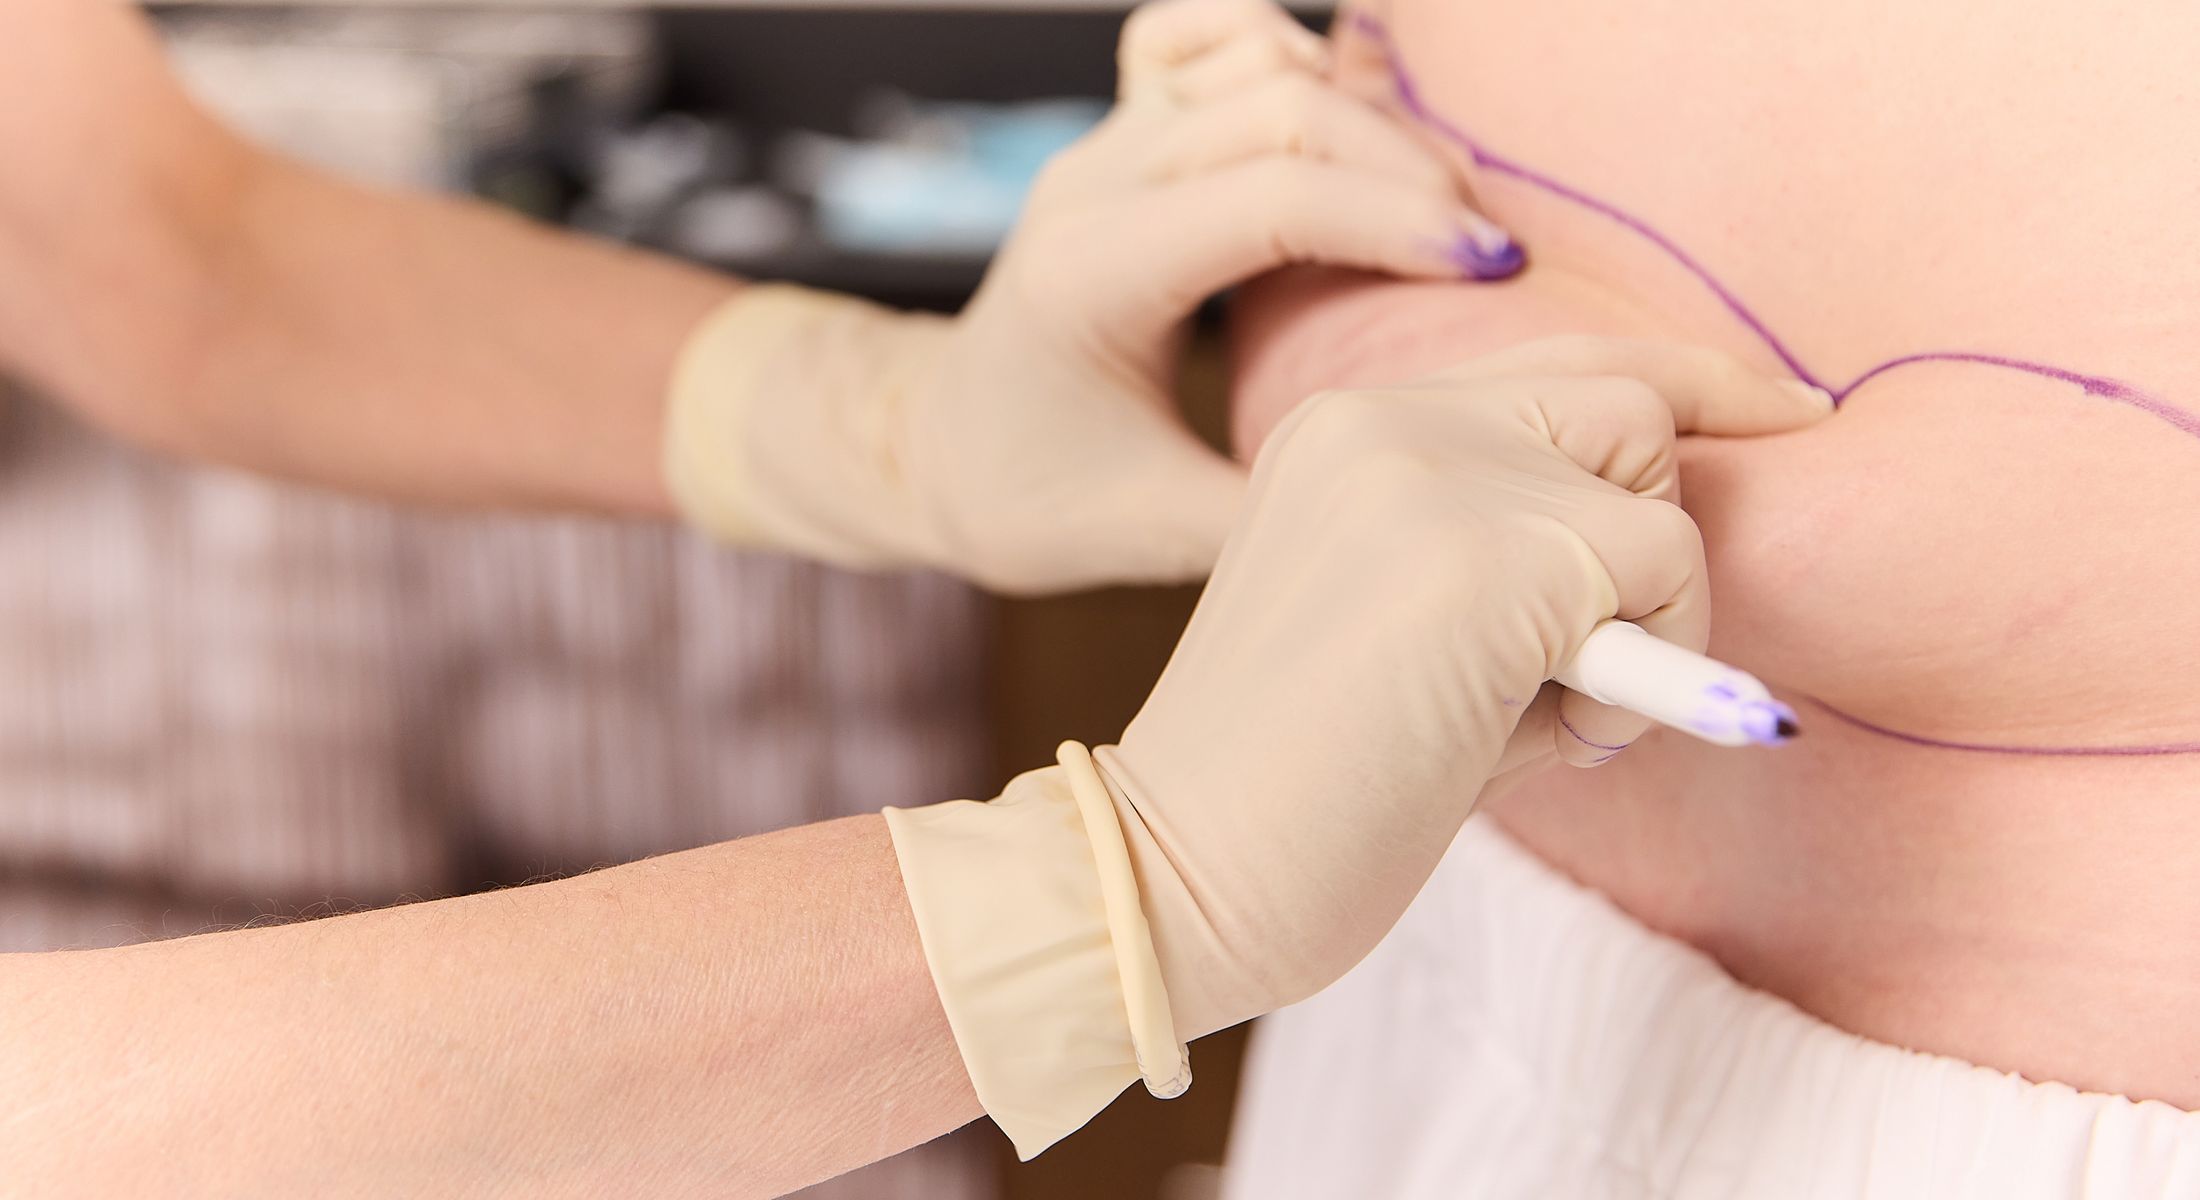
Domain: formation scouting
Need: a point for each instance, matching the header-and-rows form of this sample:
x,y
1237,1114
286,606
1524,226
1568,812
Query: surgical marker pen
x,y
1623,665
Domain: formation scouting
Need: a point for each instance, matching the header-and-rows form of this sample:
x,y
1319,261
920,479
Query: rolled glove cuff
x,y
1029,914
782,426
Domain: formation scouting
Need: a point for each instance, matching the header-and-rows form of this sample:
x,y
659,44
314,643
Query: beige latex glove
x,y
1033,442
1412,566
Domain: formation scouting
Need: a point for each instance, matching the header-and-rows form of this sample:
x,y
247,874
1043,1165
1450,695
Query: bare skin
x,y
1963,553
191,292
620,1033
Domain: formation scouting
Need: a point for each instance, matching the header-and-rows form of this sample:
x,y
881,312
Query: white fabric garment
x,y
1519,1036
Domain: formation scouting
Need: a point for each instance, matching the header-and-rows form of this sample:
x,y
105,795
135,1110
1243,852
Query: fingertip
x,y
1484,250
1486,260
1813,402
1588,734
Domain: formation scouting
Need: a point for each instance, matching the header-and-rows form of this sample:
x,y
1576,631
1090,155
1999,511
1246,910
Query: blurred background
x,y
230,701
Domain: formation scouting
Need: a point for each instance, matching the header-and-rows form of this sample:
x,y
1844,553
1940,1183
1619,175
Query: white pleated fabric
x,y
1519,1036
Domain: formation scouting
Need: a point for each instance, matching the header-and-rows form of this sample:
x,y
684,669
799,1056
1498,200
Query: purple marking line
x,y
1409,98
1585,741
2025,751
1408,92
2093,385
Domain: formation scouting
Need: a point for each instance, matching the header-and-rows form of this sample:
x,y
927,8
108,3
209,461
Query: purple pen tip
x,y
1769,723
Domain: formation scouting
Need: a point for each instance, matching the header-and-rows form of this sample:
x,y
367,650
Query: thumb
x,y
1709,391
1174,516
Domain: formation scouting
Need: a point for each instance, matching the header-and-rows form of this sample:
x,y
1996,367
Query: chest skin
x,y
1968,555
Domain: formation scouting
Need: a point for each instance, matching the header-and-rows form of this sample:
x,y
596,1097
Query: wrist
x,y
1030,919
783,427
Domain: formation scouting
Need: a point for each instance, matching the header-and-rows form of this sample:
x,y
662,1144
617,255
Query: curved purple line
x,y
1991,748
1585,741
1409,96
2093,385
1408,92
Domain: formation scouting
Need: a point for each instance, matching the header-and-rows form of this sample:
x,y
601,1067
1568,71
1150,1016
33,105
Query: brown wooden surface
x,y
1079,667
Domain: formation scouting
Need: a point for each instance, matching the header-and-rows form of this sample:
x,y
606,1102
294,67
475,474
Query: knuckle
x,y
1148,33
1716,367
1373,473
1667,527
1146,22
1283,206
1156,22
1633,407
1721,368
1343,421
1296,108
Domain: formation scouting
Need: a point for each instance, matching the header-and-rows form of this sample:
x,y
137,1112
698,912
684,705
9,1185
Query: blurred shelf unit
x,y
1308,7
872,146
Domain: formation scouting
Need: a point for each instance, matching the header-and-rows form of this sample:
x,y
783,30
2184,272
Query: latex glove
x,y
1412,566
1033,442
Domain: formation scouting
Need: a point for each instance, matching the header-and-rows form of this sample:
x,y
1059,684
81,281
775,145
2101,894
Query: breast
x,y
1972,549
1971,562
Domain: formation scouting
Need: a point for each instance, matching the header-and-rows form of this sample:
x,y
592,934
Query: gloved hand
x,y
1033,442
1413,564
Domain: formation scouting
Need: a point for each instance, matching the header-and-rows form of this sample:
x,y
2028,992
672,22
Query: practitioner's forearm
x,y
196,294
436,349
733,1021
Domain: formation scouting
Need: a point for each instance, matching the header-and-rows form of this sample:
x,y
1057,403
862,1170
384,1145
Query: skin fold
x,y
1963,554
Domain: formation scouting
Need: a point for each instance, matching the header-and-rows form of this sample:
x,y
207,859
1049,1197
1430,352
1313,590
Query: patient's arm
x,y
192,292
1298,331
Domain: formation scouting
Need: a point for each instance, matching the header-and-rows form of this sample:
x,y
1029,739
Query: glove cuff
x,y
781,426
1029,914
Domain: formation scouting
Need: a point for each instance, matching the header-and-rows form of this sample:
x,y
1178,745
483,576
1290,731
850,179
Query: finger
x,y
1709,391
1237,65
1653,555
1178,244
1530,747
1590,734
1161,37
1297,115
1615,427
1361,61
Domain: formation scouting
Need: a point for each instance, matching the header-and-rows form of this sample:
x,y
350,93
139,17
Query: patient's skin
x,y
1963,553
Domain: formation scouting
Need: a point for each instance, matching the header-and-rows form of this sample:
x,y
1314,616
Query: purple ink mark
x,y
1408,92
1915,739
2093,385
1585,741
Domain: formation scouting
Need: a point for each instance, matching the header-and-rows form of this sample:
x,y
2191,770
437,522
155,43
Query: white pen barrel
x,y
1621,665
